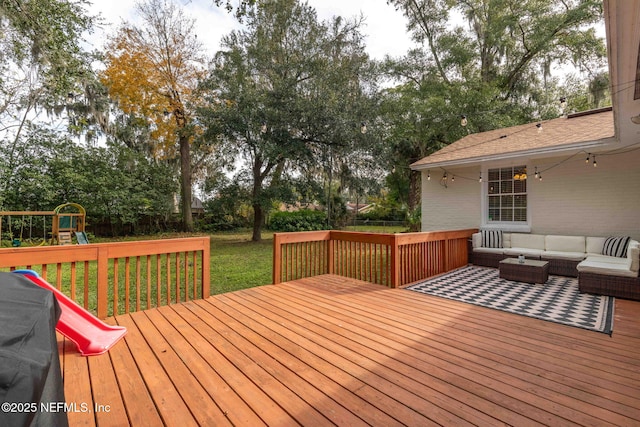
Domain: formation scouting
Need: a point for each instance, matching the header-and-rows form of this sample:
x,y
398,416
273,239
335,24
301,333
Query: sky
x,y
385,28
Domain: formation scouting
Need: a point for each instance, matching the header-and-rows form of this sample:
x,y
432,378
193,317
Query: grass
x,y
236,263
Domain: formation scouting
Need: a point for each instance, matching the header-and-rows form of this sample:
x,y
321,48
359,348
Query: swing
x,y
67,219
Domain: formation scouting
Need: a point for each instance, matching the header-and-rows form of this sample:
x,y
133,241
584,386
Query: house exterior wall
x,y
574,198
456,206
577,199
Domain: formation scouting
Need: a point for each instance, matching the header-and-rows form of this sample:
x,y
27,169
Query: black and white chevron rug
x,y
557,301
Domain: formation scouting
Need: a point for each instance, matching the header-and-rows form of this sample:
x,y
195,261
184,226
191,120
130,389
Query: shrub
x,y
303,220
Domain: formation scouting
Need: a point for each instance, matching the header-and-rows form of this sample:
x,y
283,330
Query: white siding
x,y
577,199
574,198
454,207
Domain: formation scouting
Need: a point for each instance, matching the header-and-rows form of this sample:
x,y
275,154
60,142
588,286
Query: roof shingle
x,y
556,133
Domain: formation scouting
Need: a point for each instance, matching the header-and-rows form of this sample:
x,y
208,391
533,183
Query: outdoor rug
x,y
557,301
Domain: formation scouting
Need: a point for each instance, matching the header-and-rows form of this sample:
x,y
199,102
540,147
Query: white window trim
x,y
520,227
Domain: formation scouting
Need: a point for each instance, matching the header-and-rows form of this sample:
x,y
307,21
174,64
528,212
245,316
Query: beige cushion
x,y
506,240
608,268
608,259
530,241
527,252
633,253
565,243
573,256
595,245
476,240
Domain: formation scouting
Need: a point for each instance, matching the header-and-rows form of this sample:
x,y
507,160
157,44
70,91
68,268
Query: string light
x,y
363,128
522,174
463,120
588,158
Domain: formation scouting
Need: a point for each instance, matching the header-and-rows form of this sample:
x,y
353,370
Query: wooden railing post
x,y
395,262
103,282
277,257
331,258
206,268
446,255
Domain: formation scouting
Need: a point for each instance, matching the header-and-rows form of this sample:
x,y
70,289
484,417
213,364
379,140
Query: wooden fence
x,y
388,259
116,278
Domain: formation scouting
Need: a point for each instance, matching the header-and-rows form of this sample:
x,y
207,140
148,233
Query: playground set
x,y
66,221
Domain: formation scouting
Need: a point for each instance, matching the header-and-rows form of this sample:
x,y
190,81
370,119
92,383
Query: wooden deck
x,y
334,351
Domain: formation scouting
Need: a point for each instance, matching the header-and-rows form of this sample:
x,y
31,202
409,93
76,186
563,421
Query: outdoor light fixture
x,y
520,175
463,120
480,177
537,175
588,158
595,164
428,175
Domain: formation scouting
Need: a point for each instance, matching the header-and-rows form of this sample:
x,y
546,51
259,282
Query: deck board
x,y
334,351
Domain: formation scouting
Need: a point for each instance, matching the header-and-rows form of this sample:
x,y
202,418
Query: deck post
x,y
331,268
103,282
277,256
206,268
395,261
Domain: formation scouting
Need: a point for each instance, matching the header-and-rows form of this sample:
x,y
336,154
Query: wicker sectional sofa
x,y
575,256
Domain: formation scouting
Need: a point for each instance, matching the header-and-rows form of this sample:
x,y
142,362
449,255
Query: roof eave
x,y
538,153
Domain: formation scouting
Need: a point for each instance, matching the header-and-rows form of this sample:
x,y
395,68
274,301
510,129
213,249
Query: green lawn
x,y
238,263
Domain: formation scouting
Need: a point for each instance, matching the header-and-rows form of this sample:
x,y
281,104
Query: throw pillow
x,y
491,238
616,246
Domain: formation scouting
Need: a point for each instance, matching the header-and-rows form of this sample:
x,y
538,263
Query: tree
x,y
286,92
496,71
152,72
509,42
41,62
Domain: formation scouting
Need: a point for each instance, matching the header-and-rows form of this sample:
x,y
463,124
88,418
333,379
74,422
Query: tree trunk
x,y
185,181
258,219
258,212
414,190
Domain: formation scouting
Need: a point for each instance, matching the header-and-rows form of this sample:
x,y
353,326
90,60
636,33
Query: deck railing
x,y
116,278
387,259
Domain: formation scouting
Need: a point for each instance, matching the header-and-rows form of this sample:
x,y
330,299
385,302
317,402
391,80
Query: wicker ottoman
x,y
529,271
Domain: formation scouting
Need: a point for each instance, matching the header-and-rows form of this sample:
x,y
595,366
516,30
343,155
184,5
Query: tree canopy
x,y
285,92
493,65
152,72
289,109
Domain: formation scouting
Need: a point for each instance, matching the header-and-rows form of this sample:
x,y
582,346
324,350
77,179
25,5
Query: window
x,y
507,195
